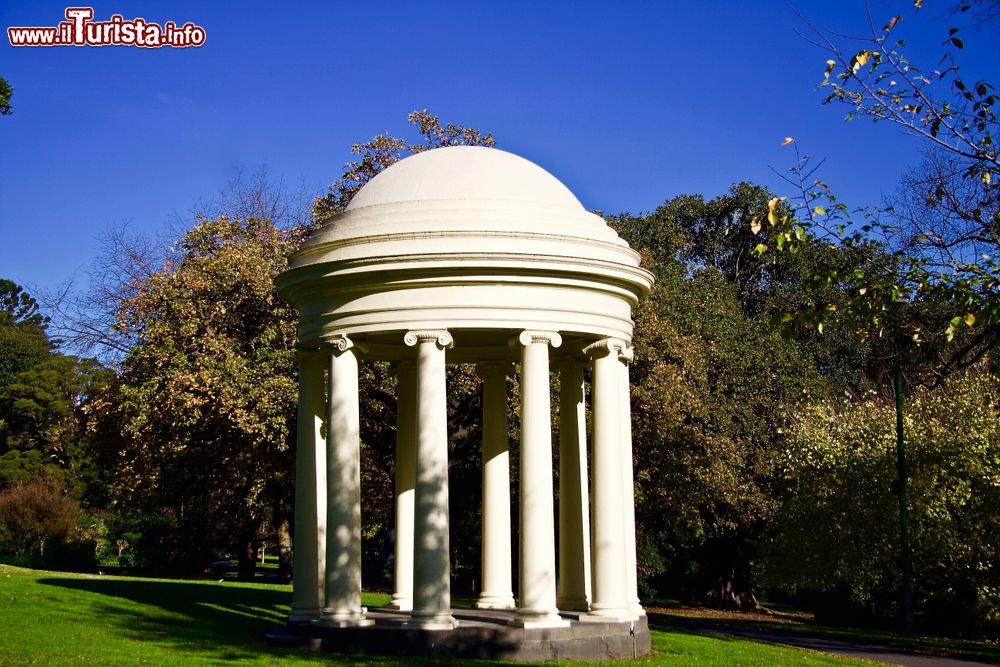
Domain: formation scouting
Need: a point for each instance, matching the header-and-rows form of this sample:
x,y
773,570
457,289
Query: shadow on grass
x,y
205,620
214,620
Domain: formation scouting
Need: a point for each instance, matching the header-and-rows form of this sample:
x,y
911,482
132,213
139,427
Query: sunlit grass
x,y
53,618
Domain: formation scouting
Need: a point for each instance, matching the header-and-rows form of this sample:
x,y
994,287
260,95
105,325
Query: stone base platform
x,y
481,633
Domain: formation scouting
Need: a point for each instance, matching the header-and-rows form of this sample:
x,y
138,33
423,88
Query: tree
x,y
942,232
5,92
203,406
198,425
384,150
23,339
33,516
837,525
712,381
38,405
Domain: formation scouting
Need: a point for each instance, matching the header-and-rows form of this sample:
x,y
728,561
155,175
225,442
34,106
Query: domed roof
x,y
464,172
470,239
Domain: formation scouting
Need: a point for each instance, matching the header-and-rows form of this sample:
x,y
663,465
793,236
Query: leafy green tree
x,y
712,382
38,405
23,339
17,467
200,417
838,523
5,92
18,307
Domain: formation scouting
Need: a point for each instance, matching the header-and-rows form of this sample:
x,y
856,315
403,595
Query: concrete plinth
x,y
481,633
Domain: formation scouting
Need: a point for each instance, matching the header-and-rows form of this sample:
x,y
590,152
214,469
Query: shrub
x,y
838,529
36,517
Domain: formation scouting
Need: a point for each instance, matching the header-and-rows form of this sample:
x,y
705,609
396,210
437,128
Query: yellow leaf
x,y
819,210
787,141
859,61
986,178
771,203
829,69
761,248
863,291
970,319
755,225
819,327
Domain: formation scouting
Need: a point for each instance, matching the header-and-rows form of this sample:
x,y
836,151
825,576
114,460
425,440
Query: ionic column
x,y
610,598
628,484
538,567
309,560
574,511
431,550
343,510
497,592
406,471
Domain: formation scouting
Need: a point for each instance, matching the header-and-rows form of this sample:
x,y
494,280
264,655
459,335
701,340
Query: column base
x,y
491,601
336,618
304,613
612,615
400,604
536,619
431,621
573,604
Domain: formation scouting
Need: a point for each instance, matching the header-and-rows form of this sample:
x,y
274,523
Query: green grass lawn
x,y
54,618
795,621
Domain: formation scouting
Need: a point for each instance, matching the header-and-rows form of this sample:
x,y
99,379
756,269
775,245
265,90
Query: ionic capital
x,y
605,347
529,336
340,344
627,353
439,337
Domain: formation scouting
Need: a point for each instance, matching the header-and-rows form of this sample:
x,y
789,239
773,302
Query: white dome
x,y
474,240
466,173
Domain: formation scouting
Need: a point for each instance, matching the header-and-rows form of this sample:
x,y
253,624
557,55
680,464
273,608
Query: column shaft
x,y
609,595
406,471
496,545
309,563
574,510
431,549
537,604
628,485
343,537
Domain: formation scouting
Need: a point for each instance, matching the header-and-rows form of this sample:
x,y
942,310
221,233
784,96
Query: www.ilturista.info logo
x,y
80,30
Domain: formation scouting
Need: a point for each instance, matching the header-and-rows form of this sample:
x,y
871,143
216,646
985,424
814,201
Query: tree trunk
x,y
247,563
284,552
724,581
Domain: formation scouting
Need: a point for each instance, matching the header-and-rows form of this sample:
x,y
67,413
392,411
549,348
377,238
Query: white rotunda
x,y
469,255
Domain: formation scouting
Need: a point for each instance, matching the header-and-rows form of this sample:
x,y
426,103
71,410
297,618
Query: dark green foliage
x,y
837,529
713,382
23,341
17,467
5,92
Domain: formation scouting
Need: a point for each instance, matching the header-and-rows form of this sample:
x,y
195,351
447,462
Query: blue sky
x,y
628,103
